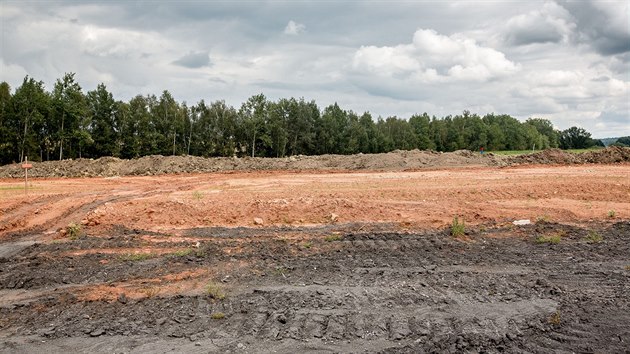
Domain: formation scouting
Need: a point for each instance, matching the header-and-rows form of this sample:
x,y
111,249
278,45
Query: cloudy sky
x,y
568,61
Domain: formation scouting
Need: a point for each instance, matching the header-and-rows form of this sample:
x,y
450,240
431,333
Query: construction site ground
x,y
319,258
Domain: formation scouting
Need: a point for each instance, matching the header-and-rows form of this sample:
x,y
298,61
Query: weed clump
x,y
215,291
555,318
551,239
197,195
135,257
593,237
331,238
182,253
458,228
217,316
73,230
611,214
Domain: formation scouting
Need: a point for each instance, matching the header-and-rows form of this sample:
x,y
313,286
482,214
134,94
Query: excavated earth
x,y
326,259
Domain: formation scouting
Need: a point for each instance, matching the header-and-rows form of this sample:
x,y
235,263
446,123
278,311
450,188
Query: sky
x,y
567,61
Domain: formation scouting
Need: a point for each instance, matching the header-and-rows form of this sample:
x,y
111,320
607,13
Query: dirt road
x,y
319,261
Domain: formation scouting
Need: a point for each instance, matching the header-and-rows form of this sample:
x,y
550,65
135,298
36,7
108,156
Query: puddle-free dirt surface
x,y
287,261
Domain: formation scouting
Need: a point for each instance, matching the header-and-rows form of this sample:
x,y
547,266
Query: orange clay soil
x,y
417,199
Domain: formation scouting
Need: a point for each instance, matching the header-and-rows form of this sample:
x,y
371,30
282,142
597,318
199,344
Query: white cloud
x,y
432,57
549,24
293,28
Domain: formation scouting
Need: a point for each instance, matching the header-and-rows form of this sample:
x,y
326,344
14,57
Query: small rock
x,y
333,217
282,319
521,222
97,332
122,298
258,221
240,346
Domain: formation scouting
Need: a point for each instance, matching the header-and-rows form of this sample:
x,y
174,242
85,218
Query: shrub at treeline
x,y
67,123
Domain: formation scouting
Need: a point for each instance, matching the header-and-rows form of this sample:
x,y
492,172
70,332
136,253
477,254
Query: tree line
x,y
68,123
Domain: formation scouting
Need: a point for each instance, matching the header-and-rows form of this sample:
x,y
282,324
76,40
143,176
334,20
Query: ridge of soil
x,y
396,160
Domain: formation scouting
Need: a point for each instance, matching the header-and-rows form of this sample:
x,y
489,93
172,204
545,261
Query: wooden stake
x,y
26,166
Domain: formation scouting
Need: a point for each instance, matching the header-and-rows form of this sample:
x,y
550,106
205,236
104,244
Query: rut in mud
x,y
348,288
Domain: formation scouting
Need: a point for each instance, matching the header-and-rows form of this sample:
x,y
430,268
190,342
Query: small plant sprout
x,y
593,237
333,237
197,195
611,214
551,239
215,291
183,253
136,257
554,319
73,230
307,245
217,316
458,228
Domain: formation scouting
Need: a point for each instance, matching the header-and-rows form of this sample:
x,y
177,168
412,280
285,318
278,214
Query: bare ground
x,y
350,261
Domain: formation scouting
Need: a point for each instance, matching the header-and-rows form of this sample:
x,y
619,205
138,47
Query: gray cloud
x,y
566,61
602,25
194,60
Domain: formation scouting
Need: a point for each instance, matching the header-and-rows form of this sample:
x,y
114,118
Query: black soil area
x,y
544,288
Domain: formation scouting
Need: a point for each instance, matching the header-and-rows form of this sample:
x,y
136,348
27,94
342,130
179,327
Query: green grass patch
x,y
513,152
525,152
215,291
551,239
458,228
594,237
331,238
307,244
136,257
183,253
11,188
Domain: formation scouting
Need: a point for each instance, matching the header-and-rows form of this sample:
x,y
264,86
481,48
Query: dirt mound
x,y
613,154
156,165
392,161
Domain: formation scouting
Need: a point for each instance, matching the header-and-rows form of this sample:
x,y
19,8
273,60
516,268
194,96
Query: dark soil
x,y
344,288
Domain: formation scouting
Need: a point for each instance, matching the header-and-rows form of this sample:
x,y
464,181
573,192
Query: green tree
x,y
251,120
103,128
30,110
421,125
624,140
70,115
5,109
575,138
545,127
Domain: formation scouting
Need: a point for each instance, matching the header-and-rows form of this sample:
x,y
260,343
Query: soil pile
x,y
613,154
392,161
157,164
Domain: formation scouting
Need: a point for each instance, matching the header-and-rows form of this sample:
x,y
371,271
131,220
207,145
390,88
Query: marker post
x,y
26,166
